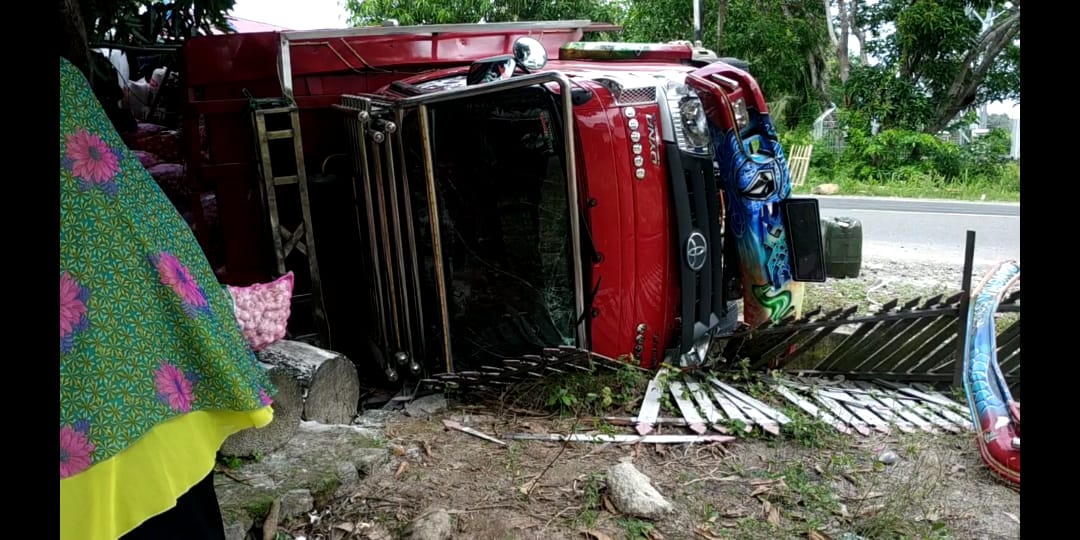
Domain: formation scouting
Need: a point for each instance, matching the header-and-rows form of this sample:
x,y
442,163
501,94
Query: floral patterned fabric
x,y
146,332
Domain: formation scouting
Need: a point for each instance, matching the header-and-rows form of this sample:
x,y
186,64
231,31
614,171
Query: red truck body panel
x,y
630,219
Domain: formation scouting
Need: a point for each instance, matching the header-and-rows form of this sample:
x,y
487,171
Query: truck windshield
x,y
501,187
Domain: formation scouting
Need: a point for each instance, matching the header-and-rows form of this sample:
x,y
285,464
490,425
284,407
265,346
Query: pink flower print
x,y
91,161
264,398
73,298
174,388
174,274
76,450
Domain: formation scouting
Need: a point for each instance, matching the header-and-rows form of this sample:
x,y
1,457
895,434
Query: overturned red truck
x,y
451,195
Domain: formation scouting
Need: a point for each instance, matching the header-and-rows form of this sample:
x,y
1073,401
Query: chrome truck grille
x,y
385,220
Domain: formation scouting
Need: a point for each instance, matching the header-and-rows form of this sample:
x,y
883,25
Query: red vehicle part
x,y
223,71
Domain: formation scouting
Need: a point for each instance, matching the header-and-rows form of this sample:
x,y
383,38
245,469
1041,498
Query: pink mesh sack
x,y
263,310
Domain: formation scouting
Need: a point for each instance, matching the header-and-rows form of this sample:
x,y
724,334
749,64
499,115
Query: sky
x,y
321,14
295,15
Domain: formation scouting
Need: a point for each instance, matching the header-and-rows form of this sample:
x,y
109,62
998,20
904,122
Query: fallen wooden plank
x,y
843,414
812,409
926,412
687,408
712,414
731,410
749,400
602,438
910,417
758,417
881,410
650,404
862,412
457,426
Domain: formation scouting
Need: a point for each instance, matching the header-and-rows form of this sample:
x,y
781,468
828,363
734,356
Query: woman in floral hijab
x,y
154,371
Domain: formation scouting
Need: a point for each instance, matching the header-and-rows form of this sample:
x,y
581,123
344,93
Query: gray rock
x,y
374,418
426,406
888,457
826,189
633,493
295,503
349,478
433,524
237,525
317,460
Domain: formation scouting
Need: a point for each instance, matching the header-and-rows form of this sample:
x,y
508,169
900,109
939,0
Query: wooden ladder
x,y
301,238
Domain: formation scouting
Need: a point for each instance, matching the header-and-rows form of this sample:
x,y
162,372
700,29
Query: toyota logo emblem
x,y
696,250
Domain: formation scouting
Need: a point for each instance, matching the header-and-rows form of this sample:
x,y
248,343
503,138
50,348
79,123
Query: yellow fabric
x,y
113,497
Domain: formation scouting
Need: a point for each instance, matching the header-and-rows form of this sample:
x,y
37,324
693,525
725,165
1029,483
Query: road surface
x,y
930,230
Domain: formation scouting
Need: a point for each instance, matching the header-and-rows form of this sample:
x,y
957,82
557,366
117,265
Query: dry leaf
x,y
765,482
427,448
527,486
760,490
820,471
815,535
609,506
398,450
843,511
1012,517
774,516
345,526
654,534
595,535
872,509
401,470
706,534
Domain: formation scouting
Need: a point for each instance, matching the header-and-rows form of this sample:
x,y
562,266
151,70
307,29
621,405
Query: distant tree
x,y
785,41
413,12
936,60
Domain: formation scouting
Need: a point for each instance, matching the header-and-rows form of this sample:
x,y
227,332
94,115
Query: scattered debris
x,y
622,438
633,493
860,406
426,406
458,427
433,524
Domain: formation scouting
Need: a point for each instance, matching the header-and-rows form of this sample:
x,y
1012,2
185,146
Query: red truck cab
x,y
540,191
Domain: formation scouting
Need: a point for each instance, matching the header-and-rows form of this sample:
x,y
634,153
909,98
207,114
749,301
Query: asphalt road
x,y
930,230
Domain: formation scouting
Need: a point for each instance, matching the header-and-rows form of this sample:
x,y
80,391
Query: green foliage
x,y
783,40
119,21
936,63
596,393
413,12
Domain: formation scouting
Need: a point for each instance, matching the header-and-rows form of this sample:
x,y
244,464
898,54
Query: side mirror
x,y
492,69
530,53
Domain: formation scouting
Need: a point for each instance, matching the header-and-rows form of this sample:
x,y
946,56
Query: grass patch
x,y
598,392
918,187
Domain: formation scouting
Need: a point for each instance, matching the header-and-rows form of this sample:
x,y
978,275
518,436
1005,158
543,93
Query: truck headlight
x,y
689,123
695,125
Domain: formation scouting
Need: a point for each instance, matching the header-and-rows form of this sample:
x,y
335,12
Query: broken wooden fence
x,y
916,341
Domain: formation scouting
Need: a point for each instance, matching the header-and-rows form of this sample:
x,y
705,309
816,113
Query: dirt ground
x,y
809,484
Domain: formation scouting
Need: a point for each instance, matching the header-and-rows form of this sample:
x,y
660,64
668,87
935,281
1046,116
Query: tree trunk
x,y
829,25
976,64
721,18
854,25
842,46
329,381
288,409
73,41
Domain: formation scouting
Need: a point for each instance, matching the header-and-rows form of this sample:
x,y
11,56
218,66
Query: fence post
x,y
965,302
